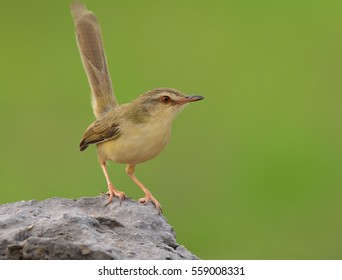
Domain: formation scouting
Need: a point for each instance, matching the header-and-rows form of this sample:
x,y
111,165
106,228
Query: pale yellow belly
x,y
135,145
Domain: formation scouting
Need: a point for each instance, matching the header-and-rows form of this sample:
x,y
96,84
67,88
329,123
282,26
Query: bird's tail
x,y
94,60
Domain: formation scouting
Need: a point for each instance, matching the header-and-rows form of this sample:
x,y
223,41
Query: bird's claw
x,y
148,198
112,191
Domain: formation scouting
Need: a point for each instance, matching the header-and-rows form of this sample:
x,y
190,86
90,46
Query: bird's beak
x,y
190,98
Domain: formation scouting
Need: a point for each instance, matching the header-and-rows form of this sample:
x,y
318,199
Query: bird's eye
x,y
166,99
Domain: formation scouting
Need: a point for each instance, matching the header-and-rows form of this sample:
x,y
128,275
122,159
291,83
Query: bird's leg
x,y
112,191
148,195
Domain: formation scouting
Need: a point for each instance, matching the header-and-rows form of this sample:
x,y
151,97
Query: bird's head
x,y
163,103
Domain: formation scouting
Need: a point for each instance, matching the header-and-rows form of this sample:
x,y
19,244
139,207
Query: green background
x,y
254,171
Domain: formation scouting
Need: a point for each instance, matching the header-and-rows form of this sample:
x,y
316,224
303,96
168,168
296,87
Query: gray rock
x,y
86,228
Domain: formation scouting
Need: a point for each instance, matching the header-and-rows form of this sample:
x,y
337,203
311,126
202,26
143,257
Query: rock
x,y
86,228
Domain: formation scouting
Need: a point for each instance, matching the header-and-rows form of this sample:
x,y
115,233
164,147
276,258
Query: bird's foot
x,y
149,197
112,191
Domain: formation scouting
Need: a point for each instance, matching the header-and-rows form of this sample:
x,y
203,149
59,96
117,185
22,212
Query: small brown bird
x,y
130,133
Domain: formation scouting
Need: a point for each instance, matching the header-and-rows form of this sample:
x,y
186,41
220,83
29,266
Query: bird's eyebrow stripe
x,y
166,90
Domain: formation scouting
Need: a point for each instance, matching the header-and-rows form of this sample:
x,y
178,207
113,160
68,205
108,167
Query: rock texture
x,y
59,228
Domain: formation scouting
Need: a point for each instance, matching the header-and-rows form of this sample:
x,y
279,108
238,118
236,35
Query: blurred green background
x,y
251,172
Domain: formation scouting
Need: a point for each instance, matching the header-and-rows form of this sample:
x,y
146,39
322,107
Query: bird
x,y
130,133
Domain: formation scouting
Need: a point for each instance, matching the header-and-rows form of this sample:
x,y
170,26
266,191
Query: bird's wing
x,y
93,56
99,131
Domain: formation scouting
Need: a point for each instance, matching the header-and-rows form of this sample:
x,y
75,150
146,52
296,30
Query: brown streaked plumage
x,y
130,133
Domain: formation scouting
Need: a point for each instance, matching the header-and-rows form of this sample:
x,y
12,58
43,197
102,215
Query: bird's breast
x,y
137,143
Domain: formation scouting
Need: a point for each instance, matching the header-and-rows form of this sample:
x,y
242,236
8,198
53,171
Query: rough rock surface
x,y
60,228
